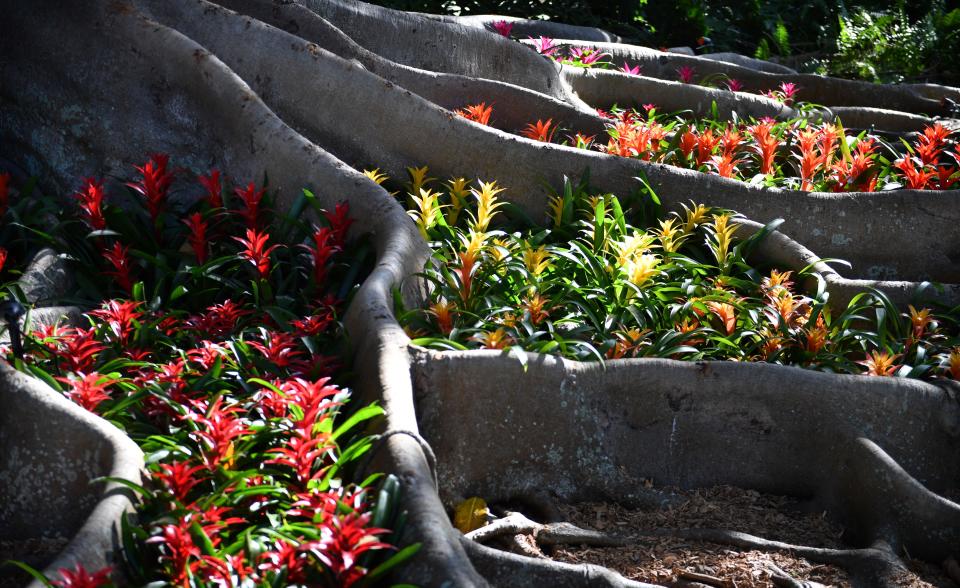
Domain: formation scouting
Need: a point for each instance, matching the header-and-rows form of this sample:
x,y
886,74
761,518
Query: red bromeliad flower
x,y
688,142
324,246
89,390
478,113
280,349
314,398
198,236
734,85
120,316
767,144
3,257
178,549
301,454
79,577
251,198
90,200
119,258
686,74
79,349
343,539
224,573
503,27
218,430
254,251
214,190
788,91
539,131
917,179
155,184
730,141
633,71
178,478
340,221
4,192
285,556
706,143
219,320
314,324
726,165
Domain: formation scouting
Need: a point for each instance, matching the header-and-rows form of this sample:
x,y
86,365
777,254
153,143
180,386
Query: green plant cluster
x,y
595,286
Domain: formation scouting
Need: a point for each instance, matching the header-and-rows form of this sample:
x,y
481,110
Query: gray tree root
x,y
873,566
916,98
507,570
603,88
789,431
515,106
524,27
749,62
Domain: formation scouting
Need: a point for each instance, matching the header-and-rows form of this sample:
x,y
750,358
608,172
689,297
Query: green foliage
x,y
594,285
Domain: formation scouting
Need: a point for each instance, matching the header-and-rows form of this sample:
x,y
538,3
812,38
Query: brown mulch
x,y
664,559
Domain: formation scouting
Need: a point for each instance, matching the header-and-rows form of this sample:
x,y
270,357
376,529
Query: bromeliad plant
x,y
593,286
215,344
792,154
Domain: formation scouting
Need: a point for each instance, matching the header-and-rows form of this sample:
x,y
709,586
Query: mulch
x,y
666,559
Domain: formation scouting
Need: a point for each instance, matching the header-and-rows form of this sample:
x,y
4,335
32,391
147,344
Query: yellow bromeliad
x,y
376,176
671,237
418,179
636,244
694,217
487,204
536,260
443,312
641,269
497,339
428,211
555,205
458,189
723,231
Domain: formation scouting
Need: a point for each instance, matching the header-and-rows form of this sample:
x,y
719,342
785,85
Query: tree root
x,y
914,98
505,570
872,566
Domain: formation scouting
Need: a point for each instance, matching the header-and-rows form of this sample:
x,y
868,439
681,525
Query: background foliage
x,y
875,40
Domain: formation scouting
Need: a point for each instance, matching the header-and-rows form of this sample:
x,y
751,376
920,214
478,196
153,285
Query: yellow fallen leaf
x,y
471,514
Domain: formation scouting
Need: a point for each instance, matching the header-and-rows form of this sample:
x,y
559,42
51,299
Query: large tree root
x,y
873,566
916,98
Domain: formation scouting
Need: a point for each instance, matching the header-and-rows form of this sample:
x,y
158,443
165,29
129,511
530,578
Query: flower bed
x,y
594,286
218,349
792,154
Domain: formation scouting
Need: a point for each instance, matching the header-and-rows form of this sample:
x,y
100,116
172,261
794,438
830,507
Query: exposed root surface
x,y
771,541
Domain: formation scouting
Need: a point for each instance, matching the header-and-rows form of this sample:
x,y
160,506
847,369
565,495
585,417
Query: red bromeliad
x,y
79,577
154,184
323,249
478,113
119,258
88,390
219,428
256,252
251,198
120,316
214,189
90,200
539,131
4,192
340,222
197,236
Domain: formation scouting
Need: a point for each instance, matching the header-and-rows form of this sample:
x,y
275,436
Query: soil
x,y
662,560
